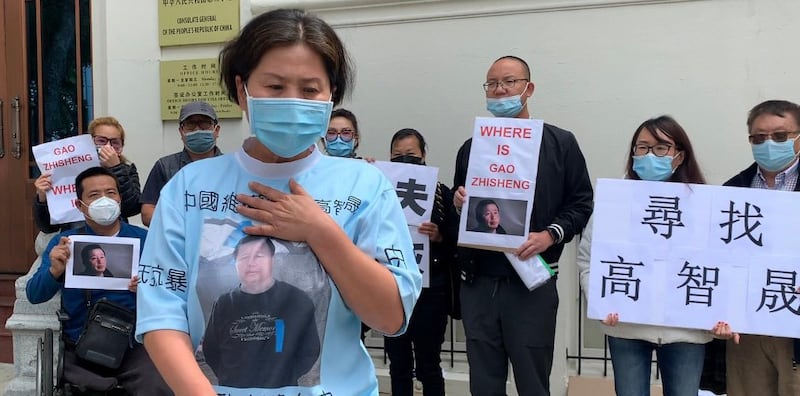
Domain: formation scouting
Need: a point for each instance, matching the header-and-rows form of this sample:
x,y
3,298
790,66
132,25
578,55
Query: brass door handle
x,y
16,135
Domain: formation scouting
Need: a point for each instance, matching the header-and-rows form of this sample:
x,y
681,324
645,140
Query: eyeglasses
x,y
102,141
777,137
347,134
506,84
659,150
192,125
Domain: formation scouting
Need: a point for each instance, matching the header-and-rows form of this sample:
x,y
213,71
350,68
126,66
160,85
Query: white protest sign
x,y
63,160
100,262
501,181
687,255
422,253
415,186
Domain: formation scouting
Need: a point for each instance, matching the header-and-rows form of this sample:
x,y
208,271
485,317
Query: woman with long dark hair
x,y
659,150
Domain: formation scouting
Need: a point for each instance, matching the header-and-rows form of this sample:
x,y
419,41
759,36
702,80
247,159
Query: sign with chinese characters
x,y
416,189
686,255
185,81
188,22
501,181
415,186
63,160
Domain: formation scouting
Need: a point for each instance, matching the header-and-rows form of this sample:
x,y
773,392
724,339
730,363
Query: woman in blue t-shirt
x,y
341,219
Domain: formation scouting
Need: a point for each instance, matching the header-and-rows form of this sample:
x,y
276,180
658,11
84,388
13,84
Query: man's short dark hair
x,y
518,59
255,238
481,207
91,172
773,107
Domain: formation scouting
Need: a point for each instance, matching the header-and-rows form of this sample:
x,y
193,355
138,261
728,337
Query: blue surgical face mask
x,y
773,156
340,148
288,126
652,168
199,142
508,107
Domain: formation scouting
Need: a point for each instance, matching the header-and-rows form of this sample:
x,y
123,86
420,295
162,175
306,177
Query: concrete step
x,y
456,377
455,383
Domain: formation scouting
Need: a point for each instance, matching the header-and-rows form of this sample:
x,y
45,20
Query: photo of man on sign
x,y
496,216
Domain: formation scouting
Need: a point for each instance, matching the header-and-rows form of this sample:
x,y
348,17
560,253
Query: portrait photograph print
x,y
266,303
98,262
496,215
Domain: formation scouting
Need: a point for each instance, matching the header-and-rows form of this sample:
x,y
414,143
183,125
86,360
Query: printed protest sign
x,y
500,185
415,186
416,189
63,160
100,262
686,255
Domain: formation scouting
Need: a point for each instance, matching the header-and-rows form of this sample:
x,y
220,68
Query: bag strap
x,y
87,296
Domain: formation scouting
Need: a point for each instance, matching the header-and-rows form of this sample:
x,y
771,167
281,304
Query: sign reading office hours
x,y
186,22
184,81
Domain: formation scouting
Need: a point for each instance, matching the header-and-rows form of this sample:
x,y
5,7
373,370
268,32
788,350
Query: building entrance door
x,y
45,95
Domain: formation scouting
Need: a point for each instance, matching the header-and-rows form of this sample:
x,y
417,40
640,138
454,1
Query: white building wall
x,y
600,69
126,79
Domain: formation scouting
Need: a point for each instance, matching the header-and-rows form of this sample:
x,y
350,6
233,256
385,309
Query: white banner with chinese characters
x,y
500,185
687,255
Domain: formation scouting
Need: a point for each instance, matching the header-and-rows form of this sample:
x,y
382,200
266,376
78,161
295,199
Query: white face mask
x,y
104,211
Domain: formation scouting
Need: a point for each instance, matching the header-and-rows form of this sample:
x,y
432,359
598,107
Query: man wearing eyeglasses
x,y
503,320
199,131
763,365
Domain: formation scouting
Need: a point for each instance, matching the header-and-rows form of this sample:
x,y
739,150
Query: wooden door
x,y
45,95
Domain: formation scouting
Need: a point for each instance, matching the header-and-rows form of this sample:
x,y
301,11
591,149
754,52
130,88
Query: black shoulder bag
x,y
107,333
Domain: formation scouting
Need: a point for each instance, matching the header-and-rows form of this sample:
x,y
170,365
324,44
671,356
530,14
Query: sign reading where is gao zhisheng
x,y
501,181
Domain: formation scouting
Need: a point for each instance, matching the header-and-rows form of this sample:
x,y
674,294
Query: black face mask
x,y
408,159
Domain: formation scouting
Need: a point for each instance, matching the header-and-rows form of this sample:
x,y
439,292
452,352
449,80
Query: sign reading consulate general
x,y
186,22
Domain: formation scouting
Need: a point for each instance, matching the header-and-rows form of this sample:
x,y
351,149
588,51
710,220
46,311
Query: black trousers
x,y
137,374
421,344
504,321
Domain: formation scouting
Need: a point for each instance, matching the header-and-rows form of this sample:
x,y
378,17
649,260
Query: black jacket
x,y
563,196
745,178
444,272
